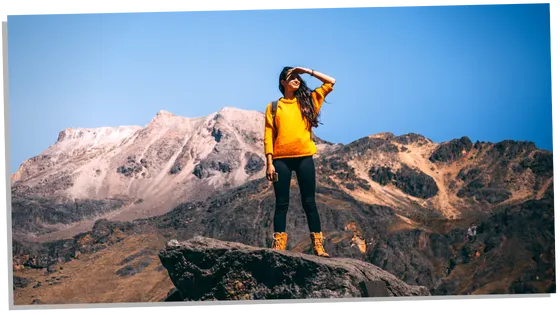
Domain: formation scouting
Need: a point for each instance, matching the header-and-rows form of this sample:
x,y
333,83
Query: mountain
x,y
132,172
402,203
451,180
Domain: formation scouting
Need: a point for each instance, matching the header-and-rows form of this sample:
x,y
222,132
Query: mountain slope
x,y
421,179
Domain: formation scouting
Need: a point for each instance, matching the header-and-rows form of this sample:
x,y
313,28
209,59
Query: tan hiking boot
x,y
317,243
279,241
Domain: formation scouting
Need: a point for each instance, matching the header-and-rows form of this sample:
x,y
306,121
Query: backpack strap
x,y
273,111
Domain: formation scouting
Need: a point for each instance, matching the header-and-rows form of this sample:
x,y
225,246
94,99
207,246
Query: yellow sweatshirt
x,y
293,138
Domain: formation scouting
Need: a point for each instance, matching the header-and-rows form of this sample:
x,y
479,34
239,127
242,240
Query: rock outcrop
x,y
209,269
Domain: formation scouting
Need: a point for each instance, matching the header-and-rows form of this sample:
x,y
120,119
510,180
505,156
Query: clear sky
x,y
443,72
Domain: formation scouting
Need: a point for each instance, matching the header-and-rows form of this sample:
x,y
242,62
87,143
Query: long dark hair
x,y
303,95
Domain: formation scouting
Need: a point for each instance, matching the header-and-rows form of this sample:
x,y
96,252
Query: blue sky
x,y
443,72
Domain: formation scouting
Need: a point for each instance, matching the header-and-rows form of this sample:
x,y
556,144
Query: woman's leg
x,y
305,172
282,193
306,179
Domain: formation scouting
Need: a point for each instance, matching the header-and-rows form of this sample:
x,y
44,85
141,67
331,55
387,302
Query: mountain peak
x,y
240,117
167,119
382,135
96,134
229,109
235,112
164,115
163,112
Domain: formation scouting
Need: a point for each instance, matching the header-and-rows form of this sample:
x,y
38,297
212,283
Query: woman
x,y
289,147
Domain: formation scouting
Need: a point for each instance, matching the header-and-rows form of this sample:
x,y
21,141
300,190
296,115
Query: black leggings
x,y
305,171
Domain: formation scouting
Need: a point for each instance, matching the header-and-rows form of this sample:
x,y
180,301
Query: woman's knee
x,y
309,203
282,204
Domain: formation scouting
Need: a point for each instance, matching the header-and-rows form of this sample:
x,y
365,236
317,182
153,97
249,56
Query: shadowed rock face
x,y
34,214
46,187
203,169
209,269
481,193
412,138
363,145
451,150
42,255
541,164
477,186
408,180
254,164
503,168
510,149
20,282
132,166
337,166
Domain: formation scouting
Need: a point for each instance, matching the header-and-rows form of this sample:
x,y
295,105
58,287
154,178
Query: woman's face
x,y
292,83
